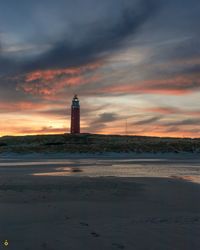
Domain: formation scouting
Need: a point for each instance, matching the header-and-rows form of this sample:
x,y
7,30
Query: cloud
x,y
190,122
55,112
51,82
102,36
172,110
148,121
102,121
179,85
65,111
21,106
107,117
184,50
164,110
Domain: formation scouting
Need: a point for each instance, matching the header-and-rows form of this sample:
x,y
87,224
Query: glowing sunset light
x,y
138,67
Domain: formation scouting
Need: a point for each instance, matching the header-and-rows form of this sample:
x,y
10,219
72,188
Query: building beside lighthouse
x,y
75,116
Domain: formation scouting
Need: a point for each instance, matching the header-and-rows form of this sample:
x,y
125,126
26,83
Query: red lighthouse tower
x,y
75,116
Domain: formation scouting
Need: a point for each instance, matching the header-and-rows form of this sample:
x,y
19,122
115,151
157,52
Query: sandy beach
x,y
79,212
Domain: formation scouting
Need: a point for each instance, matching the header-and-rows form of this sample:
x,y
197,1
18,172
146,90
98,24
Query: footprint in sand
x,y
84,224
196,219
119,246
95,234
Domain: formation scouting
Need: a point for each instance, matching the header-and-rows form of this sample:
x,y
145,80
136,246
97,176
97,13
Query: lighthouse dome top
x,y
76,97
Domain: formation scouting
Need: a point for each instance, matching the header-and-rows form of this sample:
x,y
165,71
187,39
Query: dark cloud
x,y
176,40
179,51
186,49
101,122
179,85
148,121
103,36
107,117
185,122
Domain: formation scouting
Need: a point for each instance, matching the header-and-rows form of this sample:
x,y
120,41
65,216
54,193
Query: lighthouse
x,y
75,116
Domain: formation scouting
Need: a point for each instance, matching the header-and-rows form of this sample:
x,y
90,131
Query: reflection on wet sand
x,y
191,178
66,171
182,172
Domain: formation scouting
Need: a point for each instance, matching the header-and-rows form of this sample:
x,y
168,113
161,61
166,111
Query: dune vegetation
x,y
92,143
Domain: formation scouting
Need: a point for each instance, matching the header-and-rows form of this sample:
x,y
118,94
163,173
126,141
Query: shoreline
x,y
110,155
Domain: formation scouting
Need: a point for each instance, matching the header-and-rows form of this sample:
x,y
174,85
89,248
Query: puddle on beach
x,y
188,170
189,173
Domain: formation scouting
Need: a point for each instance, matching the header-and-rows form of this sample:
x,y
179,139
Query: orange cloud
x,y
49,75
51,88
47,83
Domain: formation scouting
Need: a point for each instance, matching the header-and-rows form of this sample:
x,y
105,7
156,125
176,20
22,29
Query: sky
x,y
134,64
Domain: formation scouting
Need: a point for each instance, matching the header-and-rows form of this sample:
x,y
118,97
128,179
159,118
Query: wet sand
x,y
103,213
